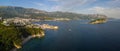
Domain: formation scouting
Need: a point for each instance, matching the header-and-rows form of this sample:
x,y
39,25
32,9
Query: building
x,y
0,18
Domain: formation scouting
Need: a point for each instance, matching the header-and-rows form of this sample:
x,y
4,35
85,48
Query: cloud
x,y
54,0
40,4
110,12
73,5
113,3
69,5
55,8
110,7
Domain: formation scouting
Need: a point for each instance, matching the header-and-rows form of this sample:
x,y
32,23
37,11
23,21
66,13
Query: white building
x,y
0,18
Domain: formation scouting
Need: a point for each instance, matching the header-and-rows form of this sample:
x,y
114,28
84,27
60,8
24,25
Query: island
x,y
98,21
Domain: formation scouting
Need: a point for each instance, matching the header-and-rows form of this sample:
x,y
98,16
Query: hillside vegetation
x,y
10,36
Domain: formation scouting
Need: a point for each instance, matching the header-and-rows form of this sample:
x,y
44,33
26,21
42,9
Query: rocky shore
x,y
27,39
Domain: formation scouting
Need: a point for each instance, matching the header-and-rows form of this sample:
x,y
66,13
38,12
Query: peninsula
x,y
13,34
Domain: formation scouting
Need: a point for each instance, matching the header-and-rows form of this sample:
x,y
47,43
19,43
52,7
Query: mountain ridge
x,y
13,11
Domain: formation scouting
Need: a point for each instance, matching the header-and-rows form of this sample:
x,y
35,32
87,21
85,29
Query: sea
x,y
77,35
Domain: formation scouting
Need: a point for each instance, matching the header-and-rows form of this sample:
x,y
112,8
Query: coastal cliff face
x,y
13,36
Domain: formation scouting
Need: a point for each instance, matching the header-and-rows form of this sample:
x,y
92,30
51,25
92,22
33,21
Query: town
x,y
27,22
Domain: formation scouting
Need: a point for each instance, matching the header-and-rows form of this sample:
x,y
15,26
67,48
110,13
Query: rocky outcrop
x,y
98,21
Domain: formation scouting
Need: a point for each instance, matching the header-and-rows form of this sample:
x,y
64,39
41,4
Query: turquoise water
x,y
77,35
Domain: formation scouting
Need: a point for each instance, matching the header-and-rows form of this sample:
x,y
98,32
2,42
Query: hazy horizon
x,y
108,7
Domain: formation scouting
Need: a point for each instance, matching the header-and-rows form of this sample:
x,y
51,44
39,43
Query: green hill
x,y
12,36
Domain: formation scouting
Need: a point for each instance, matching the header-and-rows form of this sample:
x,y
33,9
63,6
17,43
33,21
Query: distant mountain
x,y
75,15
10,11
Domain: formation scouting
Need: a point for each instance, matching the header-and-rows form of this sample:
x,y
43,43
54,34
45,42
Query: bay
x,y
77,35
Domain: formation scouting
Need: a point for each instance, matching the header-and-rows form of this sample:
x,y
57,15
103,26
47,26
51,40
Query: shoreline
x,y
27,39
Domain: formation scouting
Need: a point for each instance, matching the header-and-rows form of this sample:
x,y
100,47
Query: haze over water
x,y
76,35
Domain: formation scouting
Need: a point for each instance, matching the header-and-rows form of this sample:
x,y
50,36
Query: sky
x,y
111,8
